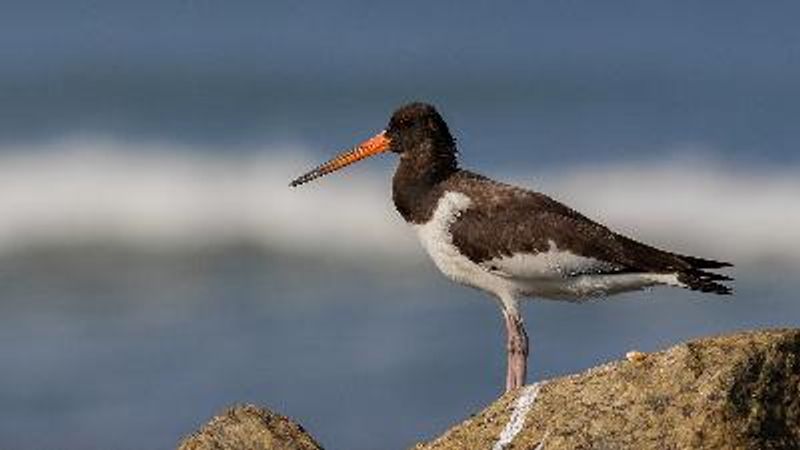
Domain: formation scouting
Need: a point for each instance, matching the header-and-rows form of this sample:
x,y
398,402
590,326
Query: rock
x,y
731,392
249,427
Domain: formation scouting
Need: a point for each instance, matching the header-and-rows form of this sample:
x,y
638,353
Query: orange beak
x,y
372,146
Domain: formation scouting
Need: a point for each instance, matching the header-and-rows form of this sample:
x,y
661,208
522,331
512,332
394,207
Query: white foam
x,y
164,197
157,197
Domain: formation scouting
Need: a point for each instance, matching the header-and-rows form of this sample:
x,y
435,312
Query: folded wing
x,y
523,234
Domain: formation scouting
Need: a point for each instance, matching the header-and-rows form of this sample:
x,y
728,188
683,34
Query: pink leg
x,y
517,348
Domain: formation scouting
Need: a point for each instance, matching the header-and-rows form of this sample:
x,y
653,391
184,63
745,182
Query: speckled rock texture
x,y
249,427
740,391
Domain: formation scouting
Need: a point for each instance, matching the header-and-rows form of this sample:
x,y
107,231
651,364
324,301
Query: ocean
x,y
155,267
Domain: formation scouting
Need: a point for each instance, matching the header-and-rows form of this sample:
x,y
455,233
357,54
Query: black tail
x,y
701,280
700,263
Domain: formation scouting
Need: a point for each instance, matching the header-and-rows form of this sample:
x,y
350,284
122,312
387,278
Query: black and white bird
x,y
507,241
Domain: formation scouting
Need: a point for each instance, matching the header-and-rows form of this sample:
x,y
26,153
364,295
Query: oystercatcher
x,y
508,241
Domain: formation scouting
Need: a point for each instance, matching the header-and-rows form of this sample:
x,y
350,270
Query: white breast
x,y
437,240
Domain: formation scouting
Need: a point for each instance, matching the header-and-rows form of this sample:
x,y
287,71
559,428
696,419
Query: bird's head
x,y
415,130
417,126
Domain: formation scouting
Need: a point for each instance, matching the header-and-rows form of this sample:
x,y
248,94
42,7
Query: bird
x,y
510,242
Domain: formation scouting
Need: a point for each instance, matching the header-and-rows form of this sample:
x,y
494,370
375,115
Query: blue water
x,y
119,351
124,332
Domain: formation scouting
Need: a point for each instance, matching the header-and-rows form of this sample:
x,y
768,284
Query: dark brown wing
x,y
504,220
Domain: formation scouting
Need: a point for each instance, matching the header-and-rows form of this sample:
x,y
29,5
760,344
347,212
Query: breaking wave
x,y
166,198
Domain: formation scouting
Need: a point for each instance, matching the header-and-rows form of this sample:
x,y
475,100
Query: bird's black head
x,y
416,132
417,126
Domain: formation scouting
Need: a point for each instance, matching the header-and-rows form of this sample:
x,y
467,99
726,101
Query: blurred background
x,y
155,267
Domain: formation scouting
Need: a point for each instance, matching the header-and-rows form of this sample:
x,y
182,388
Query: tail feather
x,y
697,279
701,263
713,276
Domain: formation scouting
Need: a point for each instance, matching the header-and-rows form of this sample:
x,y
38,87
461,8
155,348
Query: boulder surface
x,y
739,391
249,427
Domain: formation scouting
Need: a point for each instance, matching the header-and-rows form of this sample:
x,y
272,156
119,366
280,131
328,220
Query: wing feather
x,y
520,233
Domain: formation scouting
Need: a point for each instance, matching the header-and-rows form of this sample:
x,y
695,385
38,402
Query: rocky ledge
x,y
735,391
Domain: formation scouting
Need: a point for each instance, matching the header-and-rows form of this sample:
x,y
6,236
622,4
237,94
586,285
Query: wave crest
x,y
169,198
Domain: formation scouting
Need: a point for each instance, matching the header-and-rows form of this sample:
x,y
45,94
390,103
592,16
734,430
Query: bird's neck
x,y
417,181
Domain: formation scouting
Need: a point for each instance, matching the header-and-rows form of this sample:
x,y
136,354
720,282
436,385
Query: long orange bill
x,y
372,146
